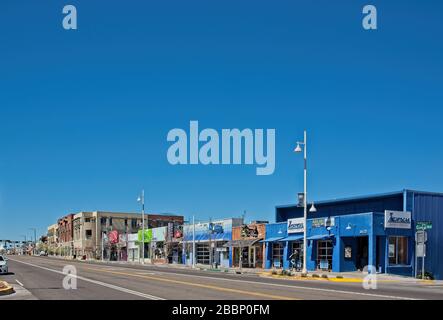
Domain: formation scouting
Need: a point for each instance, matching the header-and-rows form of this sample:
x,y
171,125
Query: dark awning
x,y
321,237
292,237
272,239
241,243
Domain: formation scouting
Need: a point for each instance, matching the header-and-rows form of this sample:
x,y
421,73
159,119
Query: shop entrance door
x,y
362,253
251,257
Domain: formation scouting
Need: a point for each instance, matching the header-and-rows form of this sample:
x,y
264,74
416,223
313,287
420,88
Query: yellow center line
x,y
205,286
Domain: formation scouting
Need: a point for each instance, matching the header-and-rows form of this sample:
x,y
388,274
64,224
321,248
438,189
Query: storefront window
x,y
277,254
203,255
324,254
398,250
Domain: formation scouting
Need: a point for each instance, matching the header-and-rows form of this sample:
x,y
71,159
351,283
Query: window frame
x,y
399,261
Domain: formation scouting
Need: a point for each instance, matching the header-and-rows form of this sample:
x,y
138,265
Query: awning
x,y
272,239
241,243
208,237
321,237
292,237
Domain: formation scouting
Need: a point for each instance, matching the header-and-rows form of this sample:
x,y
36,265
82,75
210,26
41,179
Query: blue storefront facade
x,y
350,234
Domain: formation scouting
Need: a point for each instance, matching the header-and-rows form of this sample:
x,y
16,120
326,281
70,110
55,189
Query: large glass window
x,y
203,254
398,250
277,254
298,245
324,254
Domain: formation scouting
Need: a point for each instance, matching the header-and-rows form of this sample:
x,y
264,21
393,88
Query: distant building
x,y
247,247
52,235
65,234
210,239
99,233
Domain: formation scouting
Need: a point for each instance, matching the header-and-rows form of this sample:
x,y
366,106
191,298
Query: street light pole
x,y
143,225
305,200
35,239
193,241
305,208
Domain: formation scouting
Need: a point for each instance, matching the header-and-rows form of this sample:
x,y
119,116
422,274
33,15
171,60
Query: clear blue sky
x,y
84,114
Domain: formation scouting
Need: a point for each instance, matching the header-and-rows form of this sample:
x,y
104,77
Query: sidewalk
x,y
350,277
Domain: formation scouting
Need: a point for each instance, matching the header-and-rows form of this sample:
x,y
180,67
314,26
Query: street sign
x,y
423,225
421,237
420,250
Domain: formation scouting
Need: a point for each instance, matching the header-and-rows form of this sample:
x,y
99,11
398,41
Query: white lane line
x,y
285,286
21,284
103,284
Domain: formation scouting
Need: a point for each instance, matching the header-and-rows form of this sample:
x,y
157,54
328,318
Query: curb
x,y
5,289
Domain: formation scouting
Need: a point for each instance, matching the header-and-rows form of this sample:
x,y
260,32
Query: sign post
x,y
421,237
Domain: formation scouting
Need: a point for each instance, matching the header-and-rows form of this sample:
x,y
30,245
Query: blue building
x,y
210,240
349,234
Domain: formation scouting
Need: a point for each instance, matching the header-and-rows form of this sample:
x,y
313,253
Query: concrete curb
x,y
5,289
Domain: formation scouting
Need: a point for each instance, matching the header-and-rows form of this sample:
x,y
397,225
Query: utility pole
x,y
35,240
193,242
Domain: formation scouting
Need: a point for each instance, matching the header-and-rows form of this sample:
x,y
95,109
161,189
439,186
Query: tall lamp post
x,y
35,239
141,199
298,149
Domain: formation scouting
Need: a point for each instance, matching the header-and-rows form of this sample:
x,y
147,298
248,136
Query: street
x,y
42,278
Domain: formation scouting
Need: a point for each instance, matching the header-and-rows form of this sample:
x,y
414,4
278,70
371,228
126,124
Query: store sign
x,y
147,235
398,219
296,225
323,222
159,234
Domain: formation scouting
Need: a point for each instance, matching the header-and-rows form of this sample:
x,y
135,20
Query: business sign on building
x,y
398,219
323,222
296,225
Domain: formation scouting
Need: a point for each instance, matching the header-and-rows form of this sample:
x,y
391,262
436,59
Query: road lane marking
x,y
100,283
205,286
21,284
364,294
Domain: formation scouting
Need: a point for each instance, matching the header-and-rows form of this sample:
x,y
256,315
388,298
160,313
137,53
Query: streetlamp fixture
x,y
299,149
313,209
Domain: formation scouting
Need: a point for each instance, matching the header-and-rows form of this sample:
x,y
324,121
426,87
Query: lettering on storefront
x,y
296,225
249,232
398,219
323,222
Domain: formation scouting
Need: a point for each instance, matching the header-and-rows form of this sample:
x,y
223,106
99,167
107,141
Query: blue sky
x,y
84,114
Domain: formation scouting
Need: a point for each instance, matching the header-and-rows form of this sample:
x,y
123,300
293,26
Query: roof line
x,y
380,195
373,196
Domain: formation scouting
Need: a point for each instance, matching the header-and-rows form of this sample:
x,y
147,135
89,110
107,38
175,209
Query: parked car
x,y
3,264
42,254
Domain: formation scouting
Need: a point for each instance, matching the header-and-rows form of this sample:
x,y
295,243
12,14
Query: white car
x,y
3,264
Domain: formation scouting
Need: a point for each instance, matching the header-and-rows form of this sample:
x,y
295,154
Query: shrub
x,y
315,275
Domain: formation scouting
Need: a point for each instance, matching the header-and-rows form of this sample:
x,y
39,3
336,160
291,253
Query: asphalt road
x,y
43,278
